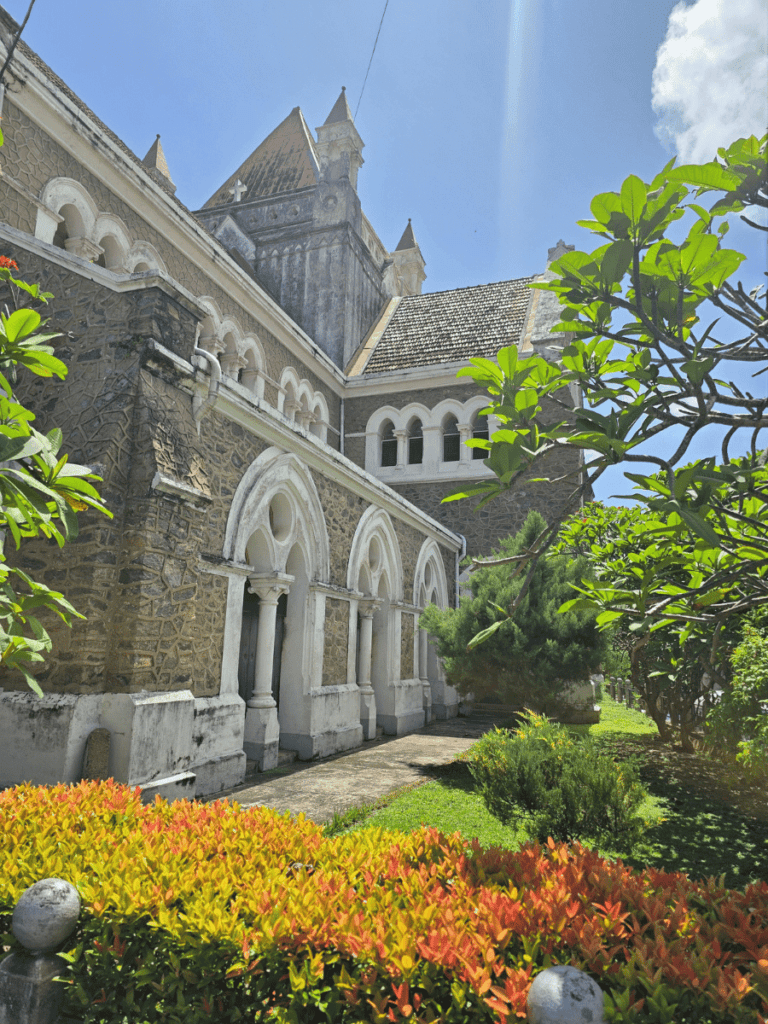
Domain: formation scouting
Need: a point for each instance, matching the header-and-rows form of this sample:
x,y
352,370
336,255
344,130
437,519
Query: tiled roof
x,y
441,327
284,161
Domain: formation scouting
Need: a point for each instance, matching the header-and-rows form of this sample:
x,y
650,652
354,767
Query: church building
x,y
273,406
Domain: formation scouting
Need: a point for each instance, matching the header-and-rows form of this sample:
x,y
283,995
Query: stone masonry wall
x,y
406,646
336,642
32,158
499,518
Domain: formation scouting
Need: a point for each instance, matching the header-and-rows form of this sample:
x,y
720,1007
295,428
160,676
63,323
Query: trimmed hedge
x,y
210,912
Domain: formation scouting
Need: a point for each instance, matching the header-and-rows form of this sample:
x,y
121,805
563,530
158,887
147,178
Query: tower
x,y
292,211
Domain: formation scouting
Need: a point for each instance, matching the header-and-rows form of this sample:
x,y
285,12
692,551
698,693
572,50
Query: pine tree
x,y
531,656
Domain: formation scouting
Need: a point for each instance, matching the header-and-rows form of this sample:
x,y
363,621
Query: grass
x,y
692,827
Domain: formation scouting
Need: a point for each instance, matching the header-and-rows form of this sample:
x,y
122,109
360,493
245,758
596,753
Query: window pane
x,y
480,431
415,450
451,447
389,451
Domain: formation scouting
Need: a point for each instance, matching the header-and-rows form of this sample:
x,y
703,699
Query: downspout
x,y
341,428
459,556
200,406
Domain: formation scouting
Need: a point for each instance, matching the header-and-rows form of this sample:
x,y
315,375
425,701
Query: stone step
x,y
285,757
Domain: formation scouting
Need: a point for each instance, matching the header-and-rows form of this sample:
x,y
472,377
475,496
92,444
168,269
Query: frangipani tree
x,y
659,333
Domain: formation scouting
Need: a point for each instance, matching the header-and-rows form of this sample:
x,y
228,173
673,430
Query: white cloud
x,y
710,83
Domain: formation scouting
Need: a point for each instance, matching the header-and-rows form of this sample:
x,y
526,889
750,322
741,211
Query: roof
x,y
284,161
443,327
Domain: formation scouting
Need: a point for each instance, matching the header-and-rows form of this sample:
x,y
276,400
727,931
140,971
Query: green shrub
x,y
738,725
215,914
566,785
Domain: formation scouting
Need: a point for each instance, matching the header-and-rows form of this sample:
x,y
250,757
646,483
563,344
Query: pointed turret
x,y
341,111
157,165
408,263
339,145
407,240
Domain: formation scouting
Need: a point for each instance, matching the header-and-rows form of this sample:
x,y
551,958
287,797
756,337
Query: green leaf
x,y
633,198
616,261
484,634
710,176
20,324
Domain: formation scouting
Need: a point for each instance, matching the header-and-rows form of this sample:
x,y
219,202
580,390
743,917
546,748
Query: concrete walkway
x,y
318,789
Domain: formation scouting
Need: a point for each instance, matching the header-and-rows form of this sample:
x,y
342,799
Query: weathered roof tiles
x,y
459,324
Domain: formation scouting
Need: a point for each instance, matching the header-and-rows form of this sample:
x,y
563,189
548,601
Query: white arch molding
x,y
68,216
276,541
430,586
433,465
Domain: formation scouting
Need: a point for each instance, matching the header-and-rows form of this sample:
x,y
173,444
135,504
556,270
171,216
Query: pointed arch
x,y
375,541
277,497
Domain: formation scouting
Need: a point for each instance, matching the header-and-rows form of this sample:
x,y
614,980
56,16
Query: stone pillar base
x,y
368,713
27,989
262,735
427,690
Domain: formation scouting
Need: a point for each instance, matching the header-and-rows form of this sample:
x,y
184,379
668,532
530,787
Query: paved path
x,y
320,788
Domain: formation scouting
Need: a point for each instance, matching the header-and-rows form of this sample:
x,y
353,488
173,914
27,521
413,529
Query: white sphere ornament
x,y
564,995
46,914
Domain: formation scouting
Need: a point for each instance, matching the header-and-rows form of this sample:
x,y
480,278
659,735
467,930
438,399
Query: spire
x,y
407,241
341,111
157,165
408,264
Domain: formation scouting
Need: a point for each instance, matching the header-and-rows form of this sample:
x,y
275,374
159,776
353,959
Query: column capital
x,y
368,606
269,586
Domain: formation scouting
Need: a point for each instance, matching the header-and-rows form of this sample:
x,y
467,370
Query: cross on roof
x,y
238,190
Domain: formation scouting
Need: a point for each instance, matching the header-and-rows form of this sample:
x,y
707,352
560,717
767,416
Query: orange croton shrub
x,y
211,912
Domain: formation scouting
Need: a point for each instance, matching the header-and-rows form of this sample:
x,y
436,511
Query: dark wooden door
x,y
282,607
246,669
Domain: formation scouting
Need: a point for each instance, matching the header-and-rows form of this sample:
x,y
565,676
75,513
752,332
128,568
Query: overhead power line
x,y
18,37
372,53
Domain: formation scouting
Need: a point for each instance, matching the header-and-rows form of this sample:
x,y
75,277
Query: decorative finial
x,y
158,135
343,88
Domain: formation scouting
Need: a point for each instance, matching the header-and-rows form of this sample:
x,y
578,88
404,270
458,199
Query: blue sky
x,y
490,123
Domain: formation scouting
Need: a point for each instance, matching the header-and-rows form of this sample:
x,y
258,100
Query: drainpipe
x,y
459,556
200,406
341,428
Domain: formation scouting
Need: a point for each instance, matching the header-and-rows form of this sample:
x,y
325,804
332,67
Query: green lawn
x,y
688,829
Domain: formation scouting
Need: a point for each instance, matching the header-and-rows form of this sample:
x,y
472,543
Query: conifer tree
x,y
528,658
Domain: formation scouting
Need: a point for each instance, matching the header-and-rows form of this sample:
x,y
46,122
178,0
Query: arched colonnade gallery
x,y
320,666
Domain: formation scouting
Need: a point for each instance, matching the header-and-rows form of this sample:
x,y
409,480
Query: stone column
x,y
262,729
465,433
290,409
402,455
44,917
367,609
250,379
84,248
231,362
424,674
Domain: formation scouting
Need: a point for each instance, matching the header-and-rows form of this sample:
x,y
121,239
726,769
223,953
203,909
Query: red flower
x,y
8,264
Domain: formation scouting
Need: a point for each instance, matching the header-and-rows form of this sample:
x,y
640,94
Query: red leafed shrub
x,y
211,912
